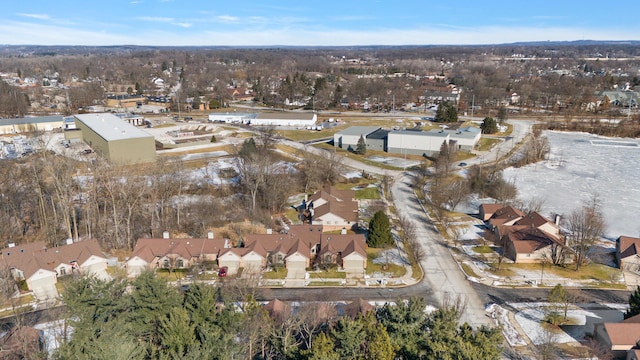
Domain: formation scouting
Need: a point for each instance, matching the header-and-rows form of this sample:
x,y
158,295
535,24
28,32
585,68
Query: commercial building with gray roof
x,y
349,137
115,139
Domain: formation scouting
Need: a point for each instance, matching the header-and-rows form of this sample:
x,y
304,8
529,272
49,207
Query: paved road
x,y
441,271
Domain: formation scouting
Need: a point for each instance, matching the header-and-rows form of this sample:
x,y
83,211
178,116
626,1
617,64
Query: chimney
x,y
269,231
226,244
343,231
12,245
210,235
165,235
557,219
69,241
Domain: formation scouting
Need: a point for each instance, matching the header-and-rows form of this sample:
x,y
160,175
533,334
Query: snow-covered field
x,y
580,165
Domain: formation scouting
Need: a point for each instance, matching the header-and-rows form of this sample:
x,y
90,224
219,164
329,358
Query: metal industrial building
x,y
465,137
428,143
285,119
115,139
411,142
348,138
232,117
30,124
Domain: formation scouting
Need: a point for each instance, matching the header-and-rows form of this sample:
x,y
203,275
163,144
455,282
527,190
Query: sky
x,y
312,23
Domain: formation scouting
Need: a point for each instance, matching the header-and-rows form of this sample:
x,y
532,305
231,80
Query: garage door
x,y
44,289
353,267
296,269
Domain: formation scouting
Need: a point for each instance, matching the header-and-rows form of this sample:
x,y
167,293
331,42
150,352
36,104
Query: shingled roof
x,y
148,249
31,257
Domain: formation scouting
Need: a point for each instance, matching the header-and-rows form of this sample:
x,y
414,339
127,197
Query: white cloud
x,y
228,18
183,24
137,2
155,19
36,16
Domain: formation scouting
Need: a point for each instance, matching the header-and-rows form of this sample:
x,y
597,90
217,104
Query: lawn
x,y
394,269
329,274
325,283
368,193
592,271
482,249
485,144
469,271
276,273
304,134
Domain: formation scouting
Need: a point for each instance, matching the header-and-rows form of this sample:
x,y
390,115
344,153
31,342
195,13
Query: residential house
x,y
525,238
333,209
299,249
487,210
40,266
622,339
173,253
628,253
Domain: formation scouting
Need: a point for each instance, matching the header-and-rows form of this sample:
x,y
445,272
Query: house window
x,y
327,258
63,271
180,263
166,264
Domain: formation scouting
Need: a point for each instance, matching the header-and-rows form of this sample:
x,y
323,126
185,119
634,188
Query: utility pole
x,y
473,105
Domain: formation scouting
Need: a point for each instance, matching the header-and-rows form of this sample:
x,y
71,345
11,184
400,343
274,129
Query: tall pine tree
x,y
361,147
379,231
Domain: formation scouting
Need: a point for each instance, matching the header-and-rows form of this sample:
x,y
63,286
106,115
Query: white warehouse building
x,y
297,119
349,137
465,137
411,142
232,117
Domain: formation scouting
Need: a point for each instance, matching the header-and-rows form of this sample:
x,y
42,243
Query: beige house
x,y
40,266
172,253
525,238
334,209
299,249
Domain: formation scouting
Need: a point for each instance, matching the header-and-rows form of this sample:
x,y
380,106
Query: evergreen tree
x,y
361,147
489,126
502,114
404,324
446,113
248,148
149,304
379,231
177,333
323,349
634,304
349,337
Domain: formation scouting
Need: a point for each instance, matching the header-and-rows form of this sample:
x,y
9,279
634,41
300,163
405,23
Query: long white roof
x,y
111,127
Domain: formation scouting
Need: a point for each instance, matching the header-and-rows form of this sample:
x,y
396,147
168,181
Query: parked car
x,y
462,164
223,271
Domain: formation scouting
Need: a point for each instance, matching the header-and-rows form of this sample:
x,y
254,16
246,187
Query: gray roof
x,y
31,120
286,115
378,134
464,132
434,133
111,127
358,130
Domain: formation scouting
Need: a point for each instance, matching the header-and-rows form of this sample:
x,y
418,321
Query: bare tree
x,y
410,239
585,226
